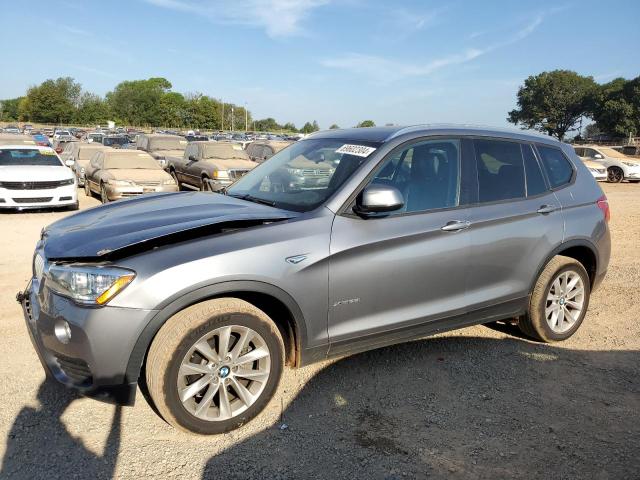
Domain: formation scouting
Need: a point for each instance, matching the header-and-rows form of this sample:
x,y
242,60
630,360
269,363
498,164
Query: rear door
x,y
393,272
515,223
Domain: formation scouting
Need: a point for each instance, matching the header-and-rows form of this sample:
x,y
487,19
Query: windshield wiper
x,y
251,198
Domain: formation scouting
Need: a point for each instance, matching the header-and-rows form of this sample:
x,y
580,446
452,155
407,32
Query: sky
x,y
400,62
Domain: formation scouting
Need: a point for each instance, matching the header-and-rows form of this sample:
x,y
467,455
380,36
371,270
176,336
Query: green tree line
x,y
148,103
555,102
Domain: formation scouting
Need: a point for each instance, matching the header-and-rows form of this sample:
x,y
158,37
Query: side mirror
x,y
192,158
69,162
598,156
378,199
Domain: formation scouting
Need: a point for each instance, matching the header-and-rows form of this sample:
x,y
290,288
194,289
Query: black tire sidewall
x,y
548,333
194,424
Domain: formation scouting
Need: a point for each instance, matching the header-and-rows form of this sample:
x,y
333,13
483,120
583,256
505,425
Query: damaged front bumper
x,y
84,348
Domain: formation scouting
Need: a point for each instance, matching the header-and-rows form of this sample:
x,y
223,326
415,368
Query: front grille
x,y
237,173
77,370
33,200
35,185
313,172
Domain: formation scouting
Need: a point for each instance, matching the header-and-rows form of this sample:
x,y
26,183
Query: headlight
x,y
220,174
629,164
88,285
68,181
120,183
82,170
169,181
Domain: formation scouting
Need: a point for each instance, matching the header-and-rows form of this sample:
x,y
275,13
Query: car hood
x,y
147,221
34,173
138,174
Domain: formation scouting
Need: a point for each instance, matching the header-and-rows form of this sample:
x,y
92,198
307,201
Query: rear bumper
x,y
94,359
27,199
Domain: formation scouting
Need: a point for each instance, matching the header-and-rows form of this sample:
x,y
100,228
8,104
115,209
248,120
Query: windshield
x,y
224,151
108,141
610,152
304,175
167,143
28,157
86,153
119,161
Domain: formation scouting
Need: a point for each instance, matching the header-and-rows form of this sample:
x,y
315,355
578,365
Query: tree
x,y
289,127
138,102
617,107
366,123
310,127
92,109
267,125
9,109
333,126
552,102
53,101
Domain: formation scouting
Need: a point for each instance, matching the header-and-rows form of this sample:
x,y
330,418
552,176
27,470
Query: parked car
x,y
631,151
60,143
41,140
196,138
16,139
619,166
161,146
35,177
12,129
598,170
204,298
117,174
209,166
78,155
261,150
116,141
57,134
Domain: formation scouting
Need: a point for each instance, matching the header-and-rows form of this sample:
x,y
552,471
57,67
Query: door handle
x,y
455,226
544,209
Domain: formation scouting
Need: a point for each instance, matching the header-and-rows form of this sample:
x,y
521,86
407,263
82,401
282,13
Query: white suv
x,y
619,166
34,177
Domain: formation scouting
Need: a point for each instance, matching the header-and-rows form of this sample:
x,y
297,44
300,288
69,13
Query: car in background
x,y
117,174
16,139
41,140
210,166
161,146
62,134
95,137
12,129
196,138
48,132
261,150
619,166
631,151
598,170
34,177
80,154
60,143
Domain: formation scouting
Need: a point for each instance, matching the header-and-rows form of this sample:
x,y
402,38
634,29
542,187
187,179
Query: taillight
x,y
58,150
603,204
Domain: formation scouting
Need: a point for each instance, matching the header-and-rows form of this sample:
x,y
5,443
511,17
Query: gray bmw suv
x,y
201,299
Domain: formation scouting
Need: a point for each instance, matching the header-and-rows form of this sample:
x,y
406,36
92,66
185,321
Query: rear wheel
x,y
207,185
559,301
87,189
615,174
104,197
214,366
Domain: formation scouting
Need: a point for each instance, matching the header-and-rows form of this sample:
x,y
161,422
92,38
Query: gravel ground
x,y
476,403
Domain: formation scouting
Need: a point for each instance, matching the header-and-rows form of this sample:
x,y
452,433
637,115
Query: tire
x,y
175,345
205,185
175,179
104,197
615,175
74,207
535,323
87,189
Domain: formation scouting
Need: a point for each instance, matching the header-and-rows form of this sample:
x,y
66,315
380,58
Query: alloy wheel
x,y
224,373
615,175
565,301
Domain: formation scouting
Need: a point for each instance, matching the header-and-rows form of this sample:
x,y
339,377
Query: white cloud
x,y
384,70
279,18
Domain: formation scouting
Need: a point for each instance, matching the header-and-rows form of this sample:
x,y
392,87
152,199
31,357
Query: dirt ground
x,y
476,403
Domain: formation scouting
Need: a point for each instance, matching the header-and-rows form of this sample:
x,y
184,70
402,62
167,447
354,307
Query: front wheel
x,y
214,366
559,301
87,189
615,175
104,196
175,179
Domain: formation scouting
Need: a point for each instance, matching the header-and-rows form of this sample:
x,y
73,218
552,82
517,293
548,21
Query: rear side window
x,y
500,170
558,168
535,180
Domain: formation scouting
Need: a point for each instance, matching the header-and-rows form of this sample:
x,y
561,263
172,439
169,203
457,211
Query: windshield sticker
x,y
29,142
237,147
182,142
357,150
142,154
47,152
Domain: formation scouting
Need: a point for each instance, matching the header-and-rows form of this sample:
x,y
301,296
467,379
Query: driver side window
x,y
426,173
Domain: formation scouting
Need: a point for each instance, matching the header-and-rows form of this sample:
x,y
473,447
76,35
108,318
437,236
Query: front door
x,y
400,270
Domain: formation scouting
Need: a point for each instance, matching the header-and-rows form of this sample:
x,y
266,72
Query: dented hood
x,y
150,220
